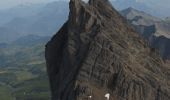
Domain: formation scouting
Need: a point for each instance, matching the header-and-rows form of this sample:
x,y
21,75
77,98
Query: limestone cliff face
x,y
97,52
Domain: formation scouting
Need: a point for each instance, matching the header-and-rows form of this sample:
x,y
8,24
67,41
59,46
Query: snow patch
x,y
107,96
86,1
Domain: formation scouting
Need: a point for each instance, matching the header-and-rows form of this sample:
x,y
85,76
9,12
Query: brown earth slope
x,y
97,52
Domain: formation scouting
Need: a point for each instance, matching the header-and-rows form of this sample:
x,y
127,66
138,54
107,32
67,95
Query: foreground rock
x,y
96,52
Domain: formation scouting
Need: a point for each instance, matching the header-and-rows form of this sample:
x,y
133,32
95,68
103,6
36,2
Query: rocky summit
x,y
96,54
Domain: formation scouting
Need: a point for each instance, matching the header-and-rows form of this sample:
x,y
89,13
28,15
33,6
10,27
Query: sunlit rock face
x,y
97,53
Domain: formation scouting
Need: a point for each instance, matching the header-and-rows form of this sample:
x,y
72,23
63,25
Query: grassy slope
x,y
23,73
5,93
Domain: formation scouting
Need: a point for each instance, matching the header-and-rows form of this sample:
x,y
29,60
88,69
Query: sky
x,y
10,3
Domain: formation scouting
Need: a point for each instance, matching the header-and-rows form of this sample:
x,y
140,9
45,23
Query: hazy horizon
x,y
4,4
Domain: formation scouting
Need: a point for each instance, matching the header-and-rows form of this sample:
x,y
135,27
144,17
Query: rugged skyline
x,y
96,52
154,7
10,3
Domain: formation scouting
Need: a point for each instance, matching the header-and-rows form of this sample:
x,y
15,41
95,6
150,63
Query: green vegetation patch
x,y
5,93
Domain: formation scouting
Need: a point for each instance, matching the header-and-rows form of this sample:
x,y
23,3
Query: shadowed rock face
x,y
96,52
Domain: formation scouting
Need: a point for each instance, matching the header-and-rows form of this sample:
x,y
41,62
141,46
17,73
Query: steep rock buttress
x,y
97,52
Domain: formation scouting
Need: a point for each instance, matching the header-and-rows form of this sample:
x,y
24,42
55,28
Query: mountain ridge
x,y
33,19
97,52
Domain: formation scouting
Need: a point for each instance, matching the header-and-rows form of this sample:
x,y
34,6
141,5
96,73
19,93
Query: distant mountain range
x,y
36,19
20,11
41,23
154,7
40,19
155,30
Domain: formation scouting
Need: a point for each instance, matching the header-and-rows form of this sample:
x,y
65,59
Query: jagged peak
x,y
98,4
96,51
95,2
80,10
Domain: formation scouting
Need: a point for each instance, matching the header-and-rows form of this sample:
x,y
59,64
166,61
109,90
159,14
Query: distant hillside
x,y
43,22
39,20
24,50
22,69
139,17
122,4
21,11
155,30
30,40
157,8
8,35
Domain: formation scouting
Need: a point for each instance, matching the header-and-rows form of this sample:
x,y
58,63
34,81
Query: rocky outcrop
x,y
162,43
153,29
97,52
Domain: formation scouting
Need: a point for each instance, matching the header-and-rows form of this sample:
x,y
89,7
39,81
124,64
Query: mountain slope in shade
x,y
43,22
96,52
167,19
155,30
20,11
7,35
